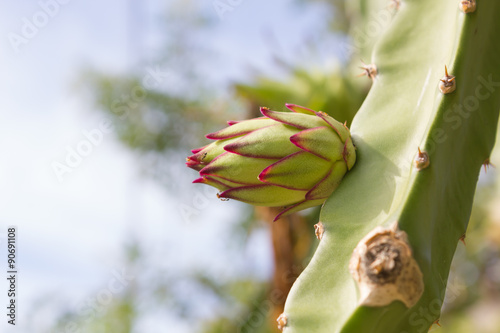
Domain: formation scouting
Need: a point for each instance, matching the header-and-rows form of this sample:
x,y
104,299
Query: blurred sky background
x,y
71,233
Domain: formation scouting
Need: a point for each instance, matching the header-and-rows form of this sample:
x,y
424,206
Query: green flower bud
x,y
293,160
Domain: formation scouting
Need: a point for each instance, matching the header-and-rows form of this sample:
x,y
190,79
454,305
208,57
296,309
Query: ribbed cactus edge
x,y
403,112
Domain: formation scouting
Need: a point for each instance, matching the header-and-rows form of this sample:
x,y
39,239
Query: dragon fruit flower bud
x,y
293,160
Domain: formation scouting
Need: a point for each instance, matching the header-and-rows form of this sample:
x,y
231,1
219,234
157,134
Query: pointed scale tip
x,y
200,180
212,136
284,212
299,109
223,195
197,150
190,163
276,218
194,158
193,164
264,110
263,174
262,177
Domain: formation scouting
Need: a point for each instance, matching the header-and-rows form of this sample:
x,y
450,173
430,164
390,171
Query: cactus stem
x,y
422,160
447,84
468,6
403,110
319,230
282,321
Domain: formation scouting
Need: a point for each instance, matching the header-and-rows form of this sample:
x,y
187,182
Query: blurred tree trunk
x,y
291,239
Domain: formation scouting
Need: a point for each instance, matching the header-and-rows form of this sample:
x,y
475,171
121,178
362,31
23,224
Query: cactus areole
x,y
293,160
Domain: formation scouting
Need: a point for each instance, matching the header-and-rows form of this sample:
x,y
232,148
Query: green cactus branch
x,y
404,111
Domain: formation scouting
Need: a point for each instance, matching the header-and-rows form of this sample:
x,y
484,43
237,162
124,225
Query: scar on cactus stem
x,y
291,160
282,321
422,160
468,6
385,270
369,70
319,230
447,84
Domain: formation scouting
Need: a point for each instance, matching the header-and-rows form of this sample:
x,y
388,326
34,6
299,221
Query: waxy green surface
x,y
403,111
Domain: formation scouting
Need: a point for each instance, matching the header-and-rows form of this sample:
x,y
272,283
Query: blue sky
x,y
71,232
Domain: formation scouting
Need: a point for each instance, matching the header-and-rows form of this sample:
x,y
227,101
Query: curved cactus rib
x,y
405,110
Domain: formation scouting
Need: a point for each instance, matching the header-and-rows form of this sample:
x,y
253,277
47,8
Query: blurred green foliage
x,y
336,93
